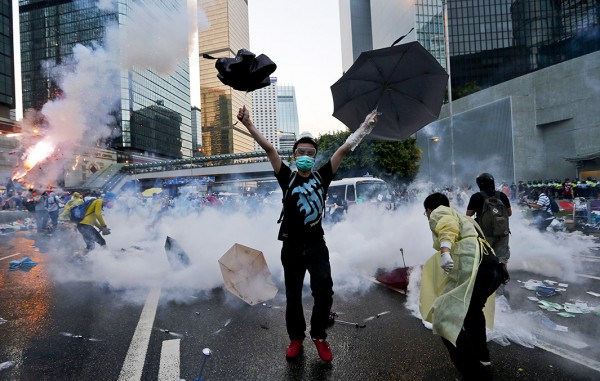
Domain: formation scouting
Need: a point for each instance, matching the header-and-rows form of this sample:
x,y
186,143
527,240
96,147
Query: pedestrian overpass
x,y
239,167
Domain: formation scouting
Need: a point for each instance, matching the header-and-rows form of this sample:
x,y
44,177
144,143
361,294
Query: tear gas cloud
x,y
154,37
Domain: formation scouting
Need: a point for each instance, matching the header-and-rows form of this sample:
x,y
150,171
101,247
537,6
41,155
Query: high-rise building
x,y
227,32
196,131
265,113
152,107
525,69
287,110
7,74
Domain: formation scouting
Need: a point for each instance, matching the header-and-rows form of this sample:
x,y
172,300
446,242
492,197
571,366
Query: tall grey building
x,y
522,75
153,116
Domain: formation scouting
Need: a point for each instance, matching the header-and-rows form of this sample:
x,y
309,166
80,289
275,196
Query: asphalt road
x,y
82,331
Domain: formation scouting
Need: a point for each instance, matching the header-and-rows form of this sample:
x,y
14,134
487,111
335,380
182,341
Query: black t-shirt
x,y
304,203
476,203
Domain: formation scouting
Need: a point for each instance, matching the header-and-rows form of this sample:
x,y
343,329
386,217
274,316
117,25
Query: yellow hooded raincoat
x,y
445,298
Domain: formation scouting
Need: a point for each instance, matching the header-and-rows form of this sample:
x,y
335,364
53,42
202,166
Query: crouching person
x,y
94,220
453,299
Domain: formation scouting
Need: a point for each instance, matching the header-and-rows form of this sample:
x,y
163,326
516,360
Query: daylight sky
x,y
303,39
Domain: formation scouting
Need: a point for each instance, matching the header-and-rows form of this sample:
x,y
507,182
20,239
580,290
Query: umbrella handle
x,y
400,39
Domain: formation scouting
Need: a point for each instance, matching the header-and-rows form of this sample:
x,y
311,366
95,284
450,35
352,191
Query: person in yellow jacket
x,y
453,300
93,219
75,200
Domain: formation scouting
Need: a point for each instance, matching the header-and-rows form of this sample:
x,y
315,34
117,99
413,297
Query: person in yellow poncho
x,y
75,200
471,274
93,219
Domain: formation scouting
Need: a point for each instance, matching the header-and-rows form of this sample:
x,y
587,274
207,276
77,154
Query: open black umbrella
x,y
245,71
405,83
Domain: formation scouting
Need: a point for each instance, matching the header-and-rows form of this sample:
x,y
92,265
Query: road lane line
x,y
169,361
593,364
10,256
136,354
588,276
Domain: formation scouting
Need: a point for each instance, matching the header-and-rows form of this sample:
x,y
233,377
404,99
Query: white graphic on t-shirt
x,y
310,201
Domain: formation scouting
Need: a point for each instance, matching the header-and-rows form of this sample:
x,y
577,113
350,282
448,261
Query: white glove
x,y
446,262
365,128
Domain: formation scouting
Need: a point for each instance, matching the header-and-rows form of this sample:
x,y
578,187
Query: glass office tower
x,y
228,32
287,110
154,117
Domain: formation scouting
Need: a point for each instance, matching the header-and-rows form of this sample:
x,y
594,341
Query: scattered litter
x,y
24,264
545,291
2,321
532,284
593,293
550,282
565,314
7,365
69,334
546,305
377,316
178,335
533,298
561,289
563,285
577,308
546,322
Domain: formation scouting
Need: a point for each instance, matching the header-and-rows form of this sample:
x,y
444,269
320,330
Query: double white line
x,y
136,354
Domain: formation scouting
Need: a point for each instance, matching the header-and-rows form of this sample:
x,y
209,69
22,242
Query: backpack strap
x,y
292,179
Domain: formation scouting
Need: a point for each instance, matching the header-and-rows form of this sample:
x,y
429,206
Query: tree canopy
x,y
393,161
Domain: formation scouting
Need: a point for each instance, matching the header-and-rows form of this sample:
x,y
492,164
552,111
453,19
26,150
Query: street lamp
x,y
434,139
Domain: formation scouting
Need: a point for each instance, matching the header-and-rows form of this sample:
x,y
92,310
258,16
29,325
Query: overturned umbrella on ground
x,y
178,258
246,274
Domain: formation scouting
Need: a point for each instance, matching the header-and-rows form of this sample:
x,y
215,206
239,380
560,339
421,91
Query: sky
x,y
303,39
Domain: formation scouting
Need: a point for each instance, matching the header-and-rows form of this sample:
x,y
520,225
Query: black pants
x,y
471,345
91,236
297,258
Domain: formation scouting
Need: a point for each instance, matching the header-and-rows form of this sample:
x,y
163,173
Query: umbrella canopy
x,y
246,71
246,274
405,83
152,191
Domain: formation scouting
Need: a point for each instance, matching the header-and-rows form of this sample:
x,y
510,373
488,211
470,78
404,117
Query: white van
x,y
360,190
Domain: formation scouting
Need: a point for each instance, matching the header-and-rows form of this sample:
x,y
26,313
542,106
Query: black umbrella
x,y
404,83
246,71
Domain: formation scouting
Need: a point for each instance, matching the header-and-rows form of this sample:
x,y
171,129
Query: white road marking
x,y
593,364
588,276
136,354
9,256
169,361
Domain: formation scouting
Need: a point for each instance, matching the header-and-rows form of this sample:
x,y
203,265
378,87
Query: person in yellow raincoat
x,y
93,219
453,300
75,200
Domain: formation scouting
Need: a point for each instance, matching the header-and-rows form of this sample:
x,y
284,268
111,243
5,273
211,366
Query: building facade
x,y
50,31
523,77
228,32
287,110
265,113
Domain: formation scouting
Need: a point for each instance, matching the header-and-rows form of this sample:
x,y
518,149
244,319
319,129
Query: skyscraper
x,y
265,113
227,33
287,110
154,112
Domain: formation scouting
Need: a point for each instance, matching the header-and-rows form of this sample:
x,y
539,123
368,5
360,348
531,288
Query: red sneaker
x,y
294,349
323,349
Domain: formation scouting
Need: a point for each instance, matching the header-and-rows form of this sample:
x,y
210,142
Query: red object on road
x,y
396,279
566,205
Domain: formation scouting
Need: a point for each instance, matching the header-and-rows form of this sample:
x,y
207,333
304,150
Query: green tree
x,y
393,161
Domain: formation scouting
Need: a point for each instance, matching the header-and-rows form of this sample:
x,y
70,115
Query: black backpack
x,y
553,205
494,216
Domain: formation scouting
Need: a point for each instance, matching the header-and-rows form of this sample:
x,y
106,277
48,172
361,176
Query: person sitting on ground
x,y
93,219
454,303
